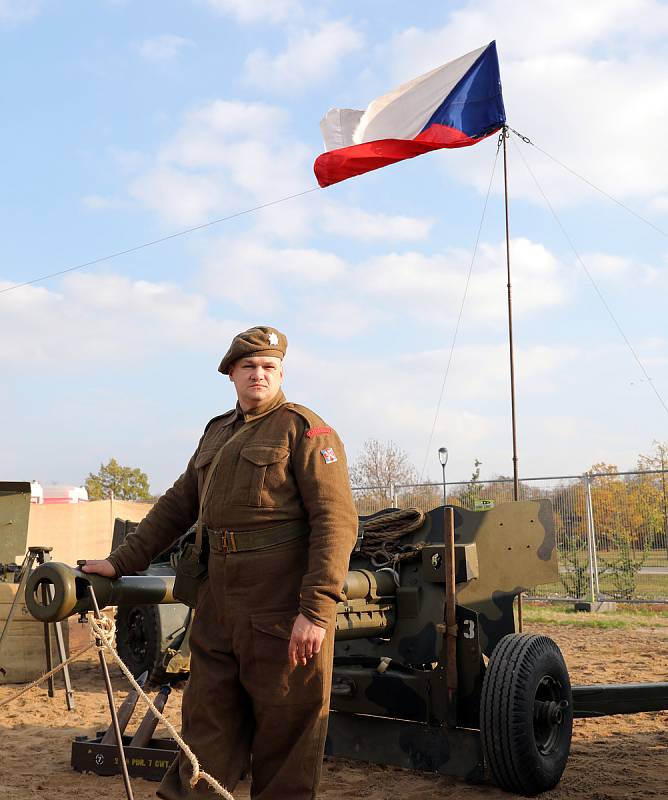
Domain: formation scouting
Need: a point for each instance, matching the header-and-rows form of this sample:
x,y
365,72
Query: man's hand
x,y
102,567
305,641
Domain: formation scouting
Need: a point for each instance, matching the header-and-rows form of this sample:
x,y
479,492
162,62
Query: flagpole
x,y
516,484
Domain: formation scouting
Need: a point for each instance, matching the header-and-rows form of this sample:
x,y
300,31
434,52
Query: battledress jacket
x,y
288,465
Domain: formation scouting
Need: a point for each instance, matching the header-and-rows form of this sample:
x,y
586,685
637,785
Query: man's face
x,y
256,379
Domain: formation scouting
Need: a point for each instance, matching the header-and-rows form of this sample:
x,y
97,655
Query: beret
x,y
257,341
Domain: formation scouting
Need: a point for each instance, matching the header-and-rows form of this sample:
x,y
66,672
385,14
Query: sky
x,y
127,121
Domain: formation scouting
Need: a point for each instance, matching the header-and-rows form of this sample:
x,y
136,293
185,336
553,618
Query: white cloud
x,y
357,223
310,57
256,10
582,82
13,12
180,198
430,287
164,47
225,156
606,265
95,318
252,274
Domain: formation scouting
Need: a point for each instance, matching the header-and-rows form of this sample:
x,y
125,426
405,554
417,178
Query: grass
x,y
625,617
649,587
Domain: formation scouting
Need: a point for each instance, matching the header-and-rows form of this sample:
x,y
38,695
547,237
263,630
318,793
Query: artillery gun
x,y
429,672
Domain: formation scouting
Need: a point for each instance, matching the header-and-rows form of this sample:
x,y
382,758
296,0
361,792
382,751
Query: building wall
x,y
81,530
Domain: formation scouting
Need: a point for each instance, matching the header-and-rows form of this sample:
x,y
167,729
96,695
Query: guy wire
x,y
527,140
157,241
592,281
461,308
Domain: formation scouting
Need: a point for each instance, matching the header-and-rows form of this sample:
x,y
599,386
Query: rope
x,y
162,239
382,534
104,630
46,676
583,266
461,309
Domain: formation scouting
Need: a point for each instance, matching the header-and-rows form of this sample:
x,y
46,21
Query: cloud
x,y
163,47
13,12
584,83
224,156
94,318
256,10
253,275
356,223
310,57
431,287
180,198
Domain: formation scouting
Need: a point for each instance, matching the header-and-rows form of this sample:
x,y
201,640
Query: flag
x,y
455,105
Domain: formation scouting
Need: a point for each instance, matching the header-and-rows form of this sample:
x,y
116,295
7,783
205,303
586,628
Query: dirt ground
x,y
612,758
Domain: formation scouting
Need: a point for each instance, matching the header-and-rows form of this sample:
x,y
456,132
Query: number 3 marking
x,y
469,630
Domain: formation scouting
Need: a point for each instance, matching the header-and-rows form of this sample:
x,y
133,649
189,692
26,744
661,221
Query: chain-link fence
x,y
612,528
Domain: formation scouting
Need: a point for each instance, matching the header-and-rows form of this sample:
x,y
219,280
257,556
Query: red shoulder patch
x,y
311,432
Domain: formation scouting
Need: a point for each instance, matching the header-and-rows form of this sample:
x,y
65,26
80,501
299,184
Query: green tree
x,y
126,483
467,496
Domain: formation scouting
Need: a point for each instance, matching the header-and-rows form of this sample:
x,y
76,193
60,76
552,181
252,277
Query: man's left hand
x,y
305,641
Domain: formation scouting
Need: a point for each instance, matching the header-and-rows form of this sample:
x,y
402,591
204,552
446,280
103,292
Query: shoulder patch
x,y
311,432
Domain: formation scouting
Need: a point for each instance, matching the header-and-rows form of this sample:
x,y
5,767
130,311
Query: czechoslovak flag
x,y
455,105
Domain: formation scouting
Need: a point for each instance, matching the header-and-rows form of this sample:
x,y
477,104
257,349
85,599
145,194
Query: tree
x,y
471,491
126,483
377,470
380,466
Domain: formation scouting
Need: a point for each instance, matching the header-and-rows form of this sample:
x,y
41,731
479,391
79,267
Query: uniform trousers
x,y
242,705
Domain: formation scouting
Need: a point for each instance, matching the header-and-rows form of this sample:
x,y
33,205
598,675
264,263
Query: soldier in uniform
x,y
281,524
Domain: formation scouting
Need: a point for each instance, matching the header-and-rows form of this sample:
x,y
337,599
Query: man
x,y
281,525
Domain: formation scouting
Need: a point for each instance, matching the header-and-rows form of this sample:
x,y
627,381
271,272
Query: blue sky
x,y
124,122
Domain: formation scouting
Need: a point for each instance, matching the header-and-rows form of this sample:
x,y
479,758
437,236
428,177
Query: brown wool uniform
x,y
241,698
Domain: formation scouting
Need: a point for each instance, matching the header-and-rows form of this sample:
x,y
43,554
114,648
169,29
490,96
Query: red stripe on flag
x,y
346,162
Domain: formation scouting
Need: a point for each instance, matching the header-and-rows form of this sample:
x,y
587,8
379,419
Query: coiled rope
x,y
104,630
381,542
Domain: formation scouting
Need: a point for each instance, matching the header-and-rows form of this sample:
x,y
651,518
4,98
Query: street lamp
x,y
443,458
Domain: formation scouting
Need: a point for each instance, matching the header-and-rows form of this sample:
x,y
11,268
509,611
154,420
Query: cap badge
x,y
273,339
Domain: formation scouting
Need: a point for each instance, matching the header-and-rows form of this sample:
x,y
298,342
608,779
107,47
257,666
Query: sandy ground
x,y
613,758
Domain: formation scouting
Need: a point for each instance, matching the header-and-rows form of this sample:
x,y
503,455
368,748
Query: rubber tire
x,y
138,639
520,665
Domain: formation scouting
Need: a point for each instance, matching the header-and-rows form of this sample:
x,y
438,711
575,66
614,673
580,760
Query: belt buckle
x,y
229,542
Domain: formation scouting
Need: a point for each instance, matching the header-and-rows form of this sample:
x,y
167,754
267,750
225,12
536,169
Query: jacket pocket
x,y
276,684
262,470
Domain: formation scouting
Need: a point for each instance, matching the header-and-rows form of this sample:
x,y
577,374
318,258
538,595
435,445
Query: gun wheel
x,y
526,714
138,639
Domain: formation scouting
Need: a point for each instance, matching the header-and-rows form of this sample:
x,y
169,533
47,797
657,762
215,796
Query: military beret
x,y
258,341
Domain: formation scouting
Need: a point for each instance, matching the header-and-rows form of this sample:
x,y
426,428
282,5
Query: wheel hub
x,y
548,713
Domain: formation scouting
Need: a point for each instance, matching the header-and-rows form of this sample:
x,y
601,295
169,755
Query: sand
x,y
613,758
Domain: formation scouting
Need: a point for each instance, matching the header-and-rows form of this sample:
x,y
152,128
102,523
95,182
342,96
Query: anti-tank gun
x,y
421,682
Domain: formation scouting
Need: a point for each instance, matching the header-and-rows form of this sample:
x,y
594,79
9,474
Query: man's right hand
x,y
102,567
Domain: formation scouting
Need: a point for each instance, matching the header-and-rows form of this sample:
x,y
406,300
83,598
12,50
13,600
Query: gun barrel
x,y
67,594
67,591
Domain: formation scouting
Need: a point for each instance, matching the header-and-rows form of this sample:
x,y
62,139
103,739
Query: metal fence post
x,y
594,589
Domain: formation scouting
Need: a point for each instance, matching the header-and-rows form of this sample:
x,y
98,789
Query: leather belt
x,y
222,540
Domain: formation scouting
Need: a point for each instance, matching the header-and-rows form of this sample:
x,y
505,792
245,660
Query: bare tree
x,y
380,465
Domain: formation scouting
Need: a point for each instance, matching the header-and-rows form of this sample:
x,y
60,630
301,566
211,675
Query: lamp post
x,y
443,458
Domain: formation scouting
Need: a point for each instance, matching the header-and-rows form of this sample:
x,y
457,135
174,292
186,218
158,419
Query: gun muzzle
x,y
55,591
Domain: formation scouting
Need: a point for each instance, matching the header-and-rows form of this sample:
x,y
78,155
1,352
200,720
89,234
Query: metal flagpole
x,y
516,484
